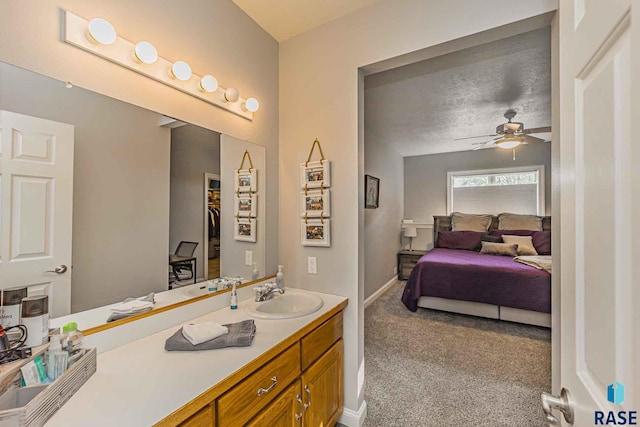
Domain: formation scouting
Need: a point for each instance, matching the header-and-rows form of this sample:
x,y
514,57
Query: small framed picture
x,y
246,205
371,192
315,174
246,181
244,229
316,203
315,232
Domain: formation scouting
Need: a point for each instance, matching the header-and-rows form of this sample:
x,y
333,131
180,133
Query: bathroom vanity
x,y
291,375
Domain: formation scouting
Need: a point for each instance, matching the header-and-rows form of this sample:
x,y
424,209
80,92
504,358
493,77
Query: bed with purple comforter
x,y
473,276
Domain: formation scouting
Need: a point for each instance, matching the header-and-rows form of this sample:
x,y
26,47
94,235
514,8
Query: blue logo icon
x,y
615,393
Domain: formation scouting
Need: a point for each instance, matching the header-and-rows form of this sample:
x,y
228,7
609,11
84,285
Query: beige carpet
x,y
432,368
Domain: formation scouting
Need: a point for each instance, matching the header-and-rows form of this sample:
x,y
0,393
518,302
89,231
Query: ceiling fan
x,y
510,134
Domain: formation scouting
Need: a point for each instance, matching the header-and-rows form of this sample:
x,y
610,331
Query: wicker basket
x,y
33,405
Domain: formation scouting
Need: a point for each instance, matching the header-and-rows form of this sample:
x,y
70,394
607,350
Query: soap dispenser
x,y
233,305
280,278
255,273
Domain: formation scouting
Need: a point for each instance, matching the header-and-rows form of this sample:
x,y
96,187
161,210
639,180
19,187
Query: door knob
x,y
60,269
563,403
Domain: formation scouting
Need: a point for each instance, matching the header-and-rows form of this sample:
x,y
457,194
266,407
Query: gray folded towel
x,y
240,335
117,316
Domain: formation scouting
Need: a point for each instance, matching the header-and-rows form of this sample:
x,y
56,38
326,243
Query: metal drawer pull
x,y
262,391
306,388
299,399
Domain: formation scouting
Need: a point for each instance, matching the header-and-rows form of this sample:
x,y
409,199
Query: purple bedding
x,y
472,276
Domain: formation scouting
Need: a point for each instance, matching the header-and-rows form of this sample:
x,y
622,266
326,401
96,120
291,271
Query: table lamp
x,y
410,232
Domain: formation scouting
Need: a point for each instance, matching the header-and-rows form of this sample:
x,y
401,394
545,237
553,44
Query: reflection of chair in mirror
x,y
183,263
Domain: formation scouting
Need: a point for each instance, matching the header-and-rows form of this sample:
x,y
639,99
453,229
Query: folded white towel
x,y
133,306
202,332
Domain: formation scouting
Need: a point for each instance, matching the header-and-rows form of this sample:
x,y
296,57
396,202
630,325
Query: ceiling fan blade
x,y
538,130
479,147
474,137
532,139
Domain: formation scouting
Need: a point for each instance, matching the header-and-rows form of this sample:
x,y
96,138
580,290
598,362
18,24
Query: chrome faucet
x,y
266,291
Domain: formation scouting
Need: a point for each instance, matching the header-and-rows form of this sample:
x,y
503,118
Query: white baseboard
x,y
352,418
379,292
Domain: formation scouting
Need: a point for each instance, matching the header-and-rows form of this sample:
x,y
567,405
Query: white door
x,y
600,210
36,199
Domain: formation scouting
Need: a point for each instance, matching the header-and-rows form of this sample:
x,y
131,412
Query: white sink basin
x,y
289,305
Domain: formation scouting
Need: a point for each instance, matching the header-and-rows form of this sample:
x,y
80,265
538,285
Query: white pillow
x,y
525,244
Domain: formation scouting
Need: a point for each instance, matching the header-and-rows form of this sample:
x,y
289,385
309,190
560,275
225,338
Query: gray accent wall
x,y
194,152
382,225
425,177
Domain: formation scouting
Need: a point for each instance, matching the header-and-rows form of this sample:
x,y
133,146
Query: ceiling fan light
x,y
509,143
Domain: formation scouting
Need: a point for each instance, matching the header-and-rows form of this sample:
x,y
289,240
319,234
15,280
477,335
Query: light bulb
x,y
208,83
100,31
181,71
232,94
510,143
145,52
252,105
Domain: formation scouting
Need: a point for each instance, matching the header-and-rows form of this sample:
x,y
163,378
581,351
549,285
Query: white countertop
x,y
139,384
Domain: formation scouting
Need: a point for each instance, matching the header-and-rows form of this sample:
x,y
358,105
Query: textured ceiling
x,y
420,108
284,19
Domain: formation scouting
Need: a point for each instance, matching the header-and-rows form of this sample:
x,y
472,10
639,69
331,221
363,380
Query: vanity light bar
x,y
143,58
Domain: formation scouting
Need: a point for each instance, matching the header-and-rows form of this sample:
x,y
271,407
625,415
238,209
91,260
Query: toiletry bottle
x,y
10,308
255,273
280,278
35,317
57,358
72,342
234,298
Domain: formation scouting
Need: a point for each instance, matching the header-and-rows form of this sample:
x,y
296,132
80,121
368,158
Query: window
x,y
516,190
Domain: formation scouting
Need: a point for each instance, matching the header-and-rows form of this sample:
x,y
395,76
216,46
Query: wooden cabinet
x,y
285,411
406,261
322,388
299,385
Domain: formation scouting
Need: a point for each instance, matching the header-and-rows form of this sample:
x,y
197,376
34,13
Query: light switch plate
x,y
248,257
395,270
312,265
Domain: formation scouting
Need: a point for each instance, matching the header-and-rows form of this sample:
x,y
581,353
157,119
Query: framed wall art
x,y
315,174
244,229
246,181
315,203
371,192
245,205
316,232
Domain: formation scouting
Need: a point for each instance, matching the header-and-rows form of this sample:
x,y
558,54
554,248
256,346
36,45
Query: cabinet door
x,y
203,418
284,411
322,388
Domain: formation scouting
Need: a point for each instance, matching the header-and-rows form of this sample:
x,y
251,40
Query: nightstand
x,y
406,261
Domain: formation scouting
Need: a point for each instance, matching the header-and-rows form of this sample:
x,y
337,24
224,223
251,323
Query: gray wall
x,y
120,186
382,225
194,152
425,189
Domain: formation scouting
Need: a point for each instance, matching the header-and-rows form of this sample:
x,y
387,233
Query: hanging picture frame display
x,y
315,232
245,229
315,203
245,205
315,174
246,180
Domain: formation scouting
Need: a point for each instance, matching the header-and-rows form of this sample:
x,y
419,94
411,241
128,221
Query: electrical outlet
x,y
395,270
312,265
248,257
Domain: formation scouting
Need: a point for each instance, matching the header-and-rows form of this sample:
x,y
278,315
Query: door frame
x,y
205,241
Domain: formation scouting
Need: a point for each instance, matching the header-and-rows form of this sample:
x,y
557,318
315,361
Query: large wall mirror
x,y
144,202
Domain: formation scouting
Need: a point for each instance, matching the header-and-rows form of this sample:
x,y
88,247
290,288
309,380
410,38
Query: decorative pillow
x,y
467,240
525,244
499,249
508,221
542,242
470,222
486,237
513,232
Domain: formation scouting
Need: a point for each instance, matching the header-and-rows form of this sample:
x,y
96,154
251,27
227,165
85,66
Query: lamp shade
x,y
410,231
